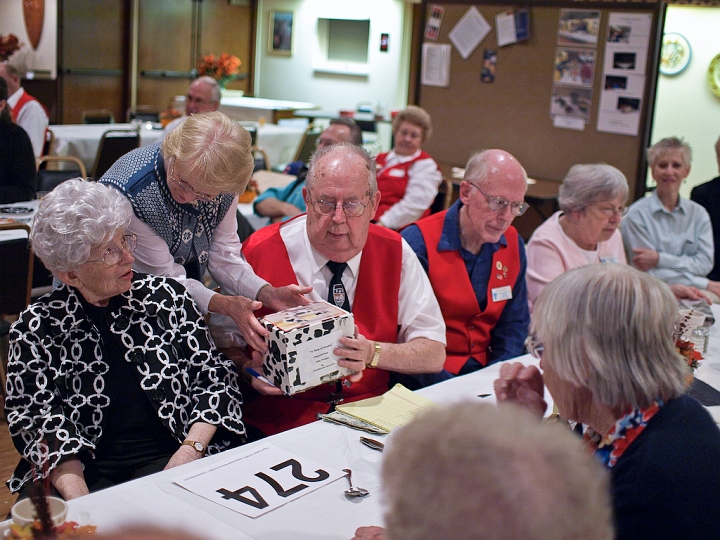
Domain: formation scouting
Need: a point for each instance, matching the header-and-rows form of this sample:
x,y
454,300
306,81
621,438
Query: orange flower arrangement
x,y
9,43
223,68
687,348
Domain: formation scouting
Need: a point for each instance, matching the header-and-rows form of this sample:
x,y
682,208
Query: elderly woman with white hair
x,y
592,202
604,336
184,192
666,235
112,375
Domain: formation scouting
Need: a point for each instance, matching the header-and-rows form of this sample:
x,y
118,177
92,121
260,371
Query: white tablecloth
x,y
82,140
322,514
22,218
279,142
251,108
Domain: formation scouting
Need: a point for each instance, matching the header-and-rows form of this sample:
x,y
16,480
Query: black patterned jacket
x,y
55,399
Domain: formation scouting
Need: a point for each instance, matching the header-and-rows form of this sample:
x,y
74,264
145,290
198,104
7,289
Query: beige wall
x,y
13,22
685,106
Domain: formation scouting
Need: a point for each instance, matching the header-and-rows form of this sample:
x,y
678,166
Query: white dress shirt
x,y
419,314
422,188
32,119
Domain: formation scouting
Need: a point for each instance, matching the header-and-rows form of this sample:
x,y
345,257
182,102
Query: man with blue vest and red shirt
x,y
476,263
27,112
361,267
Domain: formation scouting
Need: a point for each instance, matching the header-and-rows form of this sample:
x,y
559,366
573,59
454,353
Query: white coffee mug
x,y
23,512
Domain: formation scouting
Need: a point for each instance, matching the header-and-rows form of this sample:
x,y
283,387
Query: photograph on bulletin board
x,y
574,67
572,102
578,27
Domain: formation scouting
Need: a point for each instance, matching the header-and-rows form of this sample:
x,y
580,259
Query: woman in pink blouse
x,y
585,231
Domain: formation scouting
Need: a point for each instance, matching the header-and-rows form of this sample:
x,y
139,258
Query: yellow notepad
x,y
394,408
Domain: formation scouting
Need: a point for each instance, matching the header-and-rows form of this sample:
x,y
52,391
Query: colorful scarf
x,y
626,429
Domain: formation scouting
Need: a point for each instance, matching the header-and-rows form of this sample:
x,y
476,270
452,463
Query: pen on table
x,y
258,376
372,443
484,395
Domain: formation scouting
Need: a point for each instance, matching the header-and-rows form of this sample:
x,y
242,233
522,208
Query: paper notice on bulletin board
x,y
436,64
469,32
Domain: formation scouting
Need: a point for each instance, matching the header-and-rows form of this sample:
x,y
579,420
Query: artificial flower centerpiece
x,y
9,43
224,68
685,347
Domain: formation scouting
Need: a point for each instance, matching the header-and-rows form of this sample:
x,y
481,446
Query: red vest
x,y
468,328
392,182
25,98
378,285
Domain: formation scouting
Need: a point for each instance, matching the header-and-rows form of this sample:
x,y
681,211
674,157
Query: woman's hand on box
x,y
259,385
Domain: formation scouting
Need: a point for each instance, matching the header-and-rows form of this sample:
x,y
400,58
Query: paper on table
x,y
394,408
258,481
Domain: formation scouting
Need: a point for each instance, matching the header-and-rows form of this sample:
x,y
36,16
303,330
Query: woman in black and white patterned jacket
x,y
113,375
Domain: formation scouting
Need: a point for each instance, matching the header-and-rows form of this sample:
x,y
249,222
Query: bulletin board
x,y
514,112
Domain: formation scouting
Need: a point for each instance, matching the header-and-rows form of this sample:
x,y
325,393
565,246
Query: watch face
x,y
198,446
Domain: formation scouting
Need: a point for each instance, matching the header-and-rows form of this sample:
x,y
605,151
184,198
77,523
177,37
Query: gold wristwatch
x,y
376,356
197,445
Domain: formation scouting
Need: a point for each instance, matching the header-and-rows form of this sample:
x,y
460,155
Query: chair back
x,y
98,116
49,179
261,159
308,144
143,113
444,198
16,280
114,144
49,144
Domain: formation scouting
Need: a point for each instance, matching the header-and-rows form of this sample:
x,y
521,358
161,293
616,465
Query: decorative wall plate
x,y
714,75
675,54
34,12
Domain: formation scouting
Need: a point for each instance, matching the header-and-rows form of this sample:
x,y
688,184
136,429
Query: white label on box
x,y
319,353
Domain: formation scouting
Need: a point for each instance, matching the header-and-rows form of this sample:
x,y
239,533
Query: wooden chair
x,y
262,162
15,283
114,144
308,144
49,179
49,144
444,198
98,116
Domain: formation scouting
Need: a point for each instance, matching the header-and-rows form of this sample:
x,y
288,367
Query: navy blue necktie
x,y
337,294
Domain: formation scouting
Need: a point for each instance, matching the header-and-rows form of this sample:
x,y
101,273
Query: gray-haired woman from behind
x,y
111,376
604,336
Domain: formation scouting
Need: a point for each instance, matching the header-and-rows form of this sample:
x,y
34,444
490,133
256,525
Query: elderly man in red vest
x,y
27,112
361,267
476,263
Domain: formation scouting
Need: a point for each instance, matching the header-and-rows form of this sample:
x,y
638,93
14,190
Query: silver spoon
x,y
354,491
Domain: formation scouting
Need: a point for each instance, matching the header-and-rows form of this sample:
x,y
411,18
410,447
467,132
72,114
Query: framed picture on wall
x,y
280,33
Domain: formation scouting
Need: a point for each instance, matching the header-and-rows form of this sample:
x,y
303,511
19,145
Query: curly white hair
x,y
75,217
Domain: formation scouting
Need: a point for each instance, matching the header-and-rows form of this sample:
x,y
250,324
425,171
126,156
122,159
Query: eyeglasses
x,y
204,197
498,204
114,254
351,209
410,134
610,211
534,347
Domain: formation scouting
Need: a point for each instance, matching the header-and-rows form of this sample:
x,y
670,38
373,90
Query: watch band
x,y
197,445
376,356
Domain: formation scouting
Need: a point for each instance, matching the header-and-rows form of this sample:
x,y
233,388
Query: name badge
x,y
502,293
609,259
397,173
